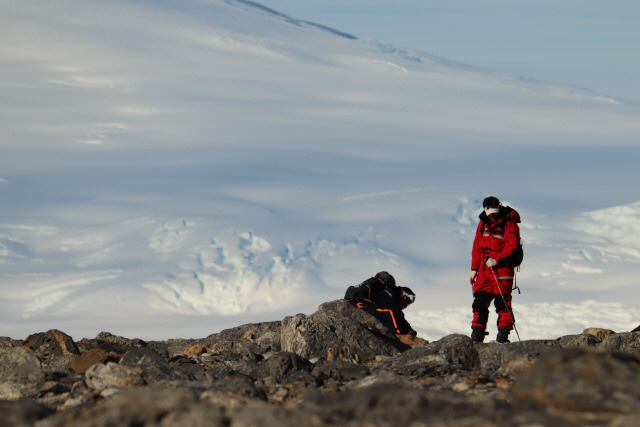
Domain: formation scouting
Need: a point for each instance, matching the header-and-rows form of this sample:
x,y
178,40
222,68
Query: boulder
x,y
21,373
340,371
110,343
100,377
624,341
50,344
399,405
493,355
337,366
600,333
579,341
23,413
154,366
340,331
278,365
159,347
581,385
59,365
265,335
449,355
7,343
149,406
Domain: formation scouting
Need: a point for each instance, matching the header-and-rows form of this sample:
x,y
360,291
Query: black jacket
x,y
386,308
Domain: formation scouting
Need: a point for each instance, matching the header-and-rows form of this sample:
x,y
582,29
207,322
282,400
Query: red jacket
x,y
497,240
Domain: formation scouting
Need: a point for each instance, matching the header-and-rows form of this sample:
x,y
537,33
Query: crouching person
x,y
386,303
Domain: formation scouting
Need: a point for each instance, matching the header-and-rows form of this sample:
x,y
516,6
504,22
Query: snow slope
x,y
169,169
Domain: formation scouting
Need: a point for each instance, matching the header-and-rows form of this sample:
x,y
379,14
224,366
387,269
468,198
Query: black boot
x,y
503,335
477,334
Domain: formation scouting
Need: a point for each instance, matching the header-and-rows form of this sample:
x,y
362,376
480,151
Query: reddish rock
x,y
90,358
194,349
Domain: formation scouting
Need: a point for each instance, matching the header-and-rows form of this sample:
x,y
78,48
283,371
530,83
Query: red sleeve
x,y
476,252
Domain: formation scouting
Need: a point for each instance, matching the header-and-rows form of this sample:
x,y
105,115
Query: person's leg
x,y
480,306
387,317
505,315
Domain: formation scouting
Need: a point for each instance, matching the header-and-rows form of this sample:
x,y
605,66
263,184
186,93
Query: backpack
x,y
364,290
517,256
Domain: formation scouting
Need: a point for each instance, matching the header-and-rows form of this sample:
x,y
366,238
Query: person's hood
x,y
506,212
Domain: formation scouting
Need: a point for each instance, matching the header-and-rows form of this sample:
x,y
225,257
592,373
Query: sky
x,y
593,44
169,169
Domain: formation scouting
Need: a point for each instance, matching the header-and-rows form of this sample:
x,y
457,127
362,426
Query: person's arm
x,y
404,327
476,252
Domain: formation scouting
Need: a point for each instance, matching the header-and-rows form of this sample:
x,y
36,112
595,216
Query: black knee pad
x,y
500,302
481,300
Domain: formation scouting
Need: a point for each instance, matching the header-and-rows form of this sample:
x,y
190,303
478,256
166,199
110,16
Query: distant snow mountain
x,y
169,169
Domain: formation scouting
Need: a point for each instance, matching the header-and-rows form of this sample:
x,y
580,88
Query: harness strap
x,y
393,318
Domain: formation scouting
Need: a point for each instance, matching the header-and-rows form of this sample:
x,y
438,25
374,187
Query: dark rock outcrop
x,y
50,344
494,355
337,366
582,386
21,373
338,331
626,341
110,343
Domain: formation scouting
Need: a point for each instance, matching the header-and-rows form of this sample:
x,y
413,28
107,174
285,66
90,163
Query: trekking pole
x,y
505,303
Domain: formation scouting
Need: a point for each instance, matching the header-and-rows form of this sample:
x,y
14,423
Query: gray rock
x,y
7,343
159,347
397,404
579,341
582,384
599,333
339,330
151,406
494,355
340,371
154,366
22,413
59,364
265,335
449,355
624,341
100,377
110,343
21,373
280,364
337,366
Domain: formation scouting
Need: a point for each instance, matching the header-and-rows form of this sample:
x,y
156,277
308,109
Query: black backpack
x,y
516,256
366,289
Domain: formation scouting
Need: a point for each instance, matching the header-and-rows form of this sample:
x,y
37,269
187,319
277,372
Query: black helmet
x,y
491,202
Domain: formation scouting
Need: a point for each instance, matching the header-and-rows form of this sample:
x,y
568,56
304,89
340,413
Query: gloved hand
x,y
472,276
491,262
411,340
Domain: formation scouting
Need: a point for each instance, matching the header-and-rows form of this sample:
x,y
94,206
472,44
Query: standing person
x,y
492,269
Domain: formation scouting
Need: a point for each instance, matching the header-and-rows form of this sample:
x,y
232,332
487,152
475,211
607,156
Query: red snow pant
x,y
485,289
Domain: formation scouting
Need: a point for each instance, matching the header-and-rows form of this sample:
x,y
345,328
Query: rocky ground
x,y
337,366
